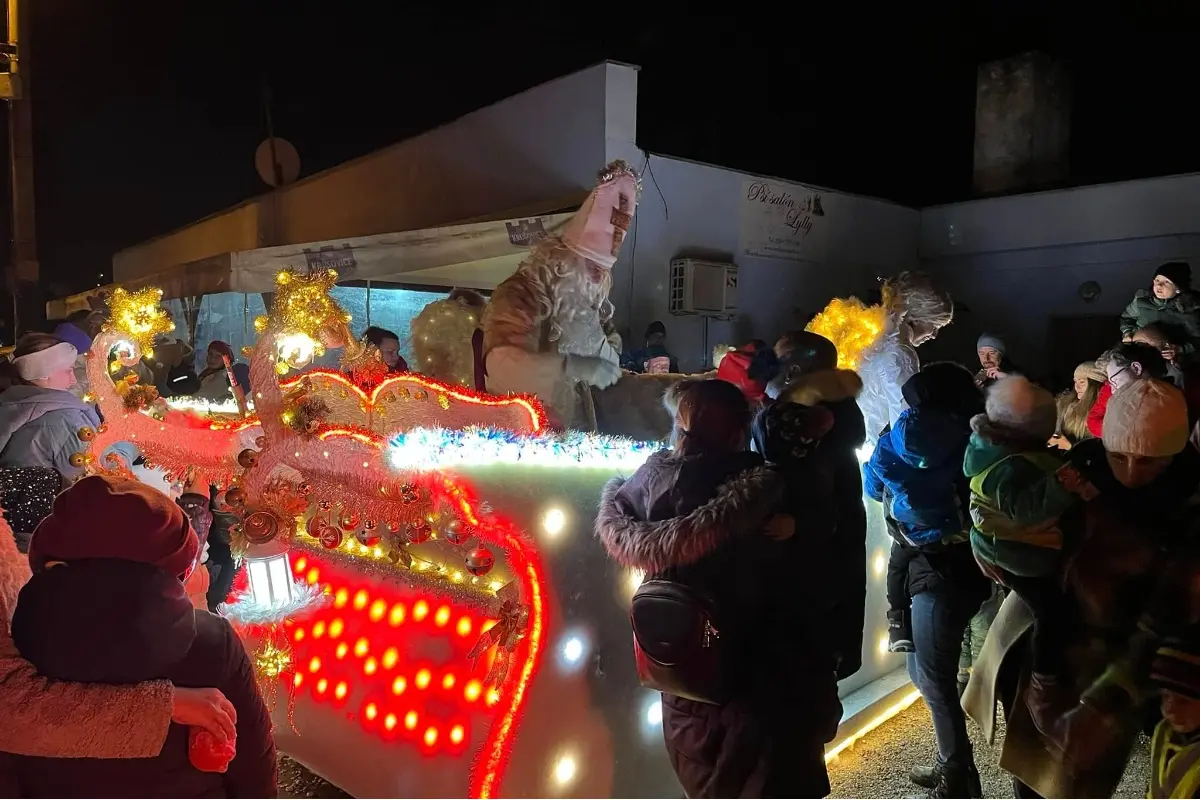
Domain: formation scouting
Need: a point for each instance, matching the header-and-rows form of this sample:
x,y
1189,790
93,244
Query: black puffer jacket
x,y
699,520
845,579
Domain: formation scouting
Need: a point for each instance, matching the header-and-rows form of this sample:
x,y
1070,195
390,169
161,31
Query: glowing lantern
x,y
270,574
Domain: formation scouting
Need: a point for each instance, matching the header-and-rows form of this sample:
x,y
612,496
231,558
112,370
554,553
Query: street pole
x,y
23,269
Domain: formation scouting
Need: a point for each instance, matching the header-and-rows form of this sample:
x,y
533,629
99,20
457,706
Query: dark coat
x,y
845,581
122,622
1180,316
698,520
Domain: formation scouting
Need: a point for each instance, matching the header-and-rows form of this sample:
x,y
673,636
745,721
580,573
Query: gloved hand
x,y
598,372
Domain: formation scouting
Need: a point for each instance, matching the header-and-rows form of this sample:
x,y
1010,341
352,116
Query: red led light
x,y
397,615
423,678
420,610
431,735
464,626
473,690
390,657
314,664
335,628
442,617
341,651
313,575
399,685
360,599
371,711
300,564
340,690
319,629
410,720
370,666
341,598
361,647
448,681
389,722
299,634
322,685
457,734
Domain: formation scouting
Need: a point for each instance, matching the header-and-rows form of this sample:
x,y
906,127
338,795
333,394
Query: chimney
x,y
1022,124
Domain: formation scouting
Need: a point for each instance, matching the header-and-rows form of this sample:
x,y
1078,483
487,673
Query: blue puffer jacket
x,y
916,470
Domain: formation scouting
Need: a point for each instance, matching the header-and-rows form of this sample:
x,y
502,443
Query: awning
x,y
478,255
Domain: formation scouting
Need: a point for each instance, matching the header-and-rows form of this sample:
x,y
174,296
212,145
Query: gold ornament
x,y
78,459
138,317
303,304
86,434
271,661
260,527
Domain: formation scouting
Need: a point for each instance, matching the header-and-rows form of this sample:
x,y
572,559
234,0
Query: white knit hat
x,y
1020,405
1147,418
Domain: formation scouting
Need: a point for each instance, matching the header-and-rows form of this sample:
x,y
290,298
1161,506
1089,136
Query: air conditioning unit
x,y
707,288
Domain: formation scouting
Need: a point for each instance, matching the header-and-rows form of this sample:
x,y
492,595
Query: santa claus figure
x,y
548,329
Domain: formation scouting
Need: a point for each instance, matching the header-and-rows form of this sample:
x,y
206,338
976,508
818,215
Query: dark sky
x,y
147,114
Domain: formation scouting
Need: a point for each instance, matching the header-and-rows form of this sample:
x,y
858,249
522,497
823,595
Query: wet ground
x,y
875,767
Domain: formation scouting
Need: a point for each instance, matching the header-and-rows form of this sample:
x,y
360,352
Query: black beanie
x,y
1177,272
657,327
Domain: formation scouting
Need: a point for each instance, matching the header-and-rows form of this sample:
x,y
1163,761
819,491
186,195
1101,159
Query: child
x,y
1171,302
1175,746
107,603
915,471
1016,500
694,515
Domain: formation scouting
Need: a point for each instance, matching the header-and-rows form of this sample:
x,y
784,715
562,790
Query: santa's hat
x,y
599,226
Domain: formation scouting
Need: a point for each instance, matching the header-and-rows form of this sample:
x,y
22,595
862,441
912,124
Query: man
x,y
388,344
993,361
652,358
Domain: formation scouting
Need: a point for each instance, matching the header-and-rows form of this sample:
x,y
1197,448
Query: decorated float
x,y
426,608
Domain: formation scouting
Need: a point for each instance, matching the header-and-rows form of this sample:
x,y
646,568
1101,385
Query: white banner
x,y
782,220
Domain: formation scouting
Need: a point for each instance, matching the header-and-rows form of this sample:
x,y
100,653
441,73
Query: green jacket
x,y
1016,501
1180,314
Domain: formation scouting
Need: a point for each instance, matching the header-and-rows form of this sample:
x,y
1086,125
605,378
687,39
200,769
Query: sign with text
x,y
781,220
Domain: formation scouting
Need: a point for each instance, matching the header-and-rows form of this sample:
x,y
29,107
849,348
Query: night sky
x,y
147,114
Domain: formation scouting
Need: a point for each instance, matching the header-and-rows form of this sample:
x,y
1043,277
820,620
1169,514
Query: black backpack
x,y
680,642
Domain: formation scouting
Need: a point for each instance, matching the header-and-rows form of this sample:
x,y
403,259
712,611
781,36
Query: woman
x,y
40,419
214,380
1123,365
916,472
55,719
107,603
1120,547
1074,405
693,516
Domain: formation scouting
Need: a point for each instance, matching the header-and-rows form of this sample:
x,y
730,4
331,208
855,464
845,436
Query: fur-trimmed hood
x,y
676,510
823,386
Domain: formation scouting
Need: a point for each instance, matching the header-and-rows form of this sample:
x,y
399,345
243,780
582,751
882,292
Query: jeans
x,y
939,619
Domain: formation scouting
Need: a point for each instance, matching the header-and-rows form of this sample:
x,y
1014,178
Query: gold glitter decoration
x,y
138,317
303,304
271,660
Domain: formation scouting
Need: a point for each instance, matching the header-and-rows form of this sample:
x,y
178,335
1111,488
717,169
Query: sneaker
x,y
900,632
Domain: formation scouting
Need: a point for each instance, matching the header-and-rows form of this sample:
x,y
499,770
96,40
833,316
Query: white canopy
x,y
477,255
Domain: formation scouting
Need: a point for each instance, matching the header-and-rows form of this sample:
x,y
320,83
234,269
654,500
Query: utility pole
x,y
14,87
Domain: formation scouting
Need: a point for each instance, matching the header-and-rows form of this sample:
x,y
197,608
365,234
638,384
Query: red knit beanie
x,y
103,517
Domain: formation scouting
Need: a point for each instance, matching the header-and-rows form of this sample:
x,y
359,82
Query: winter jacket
x,y
40,428
1128,567
122,622
698,520
1180,316
1016,500
917,469
837,456
1095,418
69,720
1174,763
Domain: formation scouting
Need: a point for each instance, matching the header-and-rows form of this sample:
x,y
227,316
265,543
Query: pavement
x,y
877,766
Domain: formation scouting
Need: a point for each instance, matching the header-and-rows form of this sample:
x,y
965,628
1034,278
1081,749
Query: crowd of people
x,y
1043,559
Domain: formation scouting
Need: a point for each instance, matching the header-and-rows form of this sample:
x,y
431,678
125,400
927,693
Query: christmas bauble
x,y
248,458
315,527
480,561
349,521
367,538
419,532
455,533
235,497
331,537
86,434
305,489
260,527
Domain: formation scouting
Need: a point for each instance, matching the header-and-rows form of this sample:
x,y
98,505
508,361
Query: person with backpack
x,y
749,695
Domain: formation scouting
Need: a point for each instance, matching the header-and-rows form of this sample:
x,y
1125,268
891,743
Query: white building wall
x,y
1017,262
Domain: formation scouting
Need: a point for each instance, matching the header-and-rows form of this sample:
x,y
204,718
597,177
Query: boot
x,y
926,776
900,632
957,783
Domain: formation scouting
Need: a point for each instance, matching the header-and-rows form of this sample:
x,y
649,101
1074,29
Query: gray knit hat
x,y
989,340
